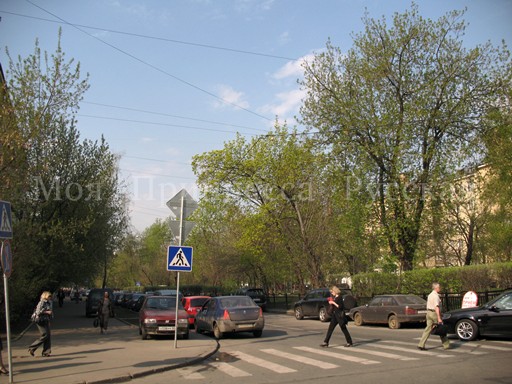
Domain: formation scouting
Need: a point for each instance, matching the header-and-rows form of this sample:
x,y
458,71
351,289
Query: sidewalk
x,y
80,354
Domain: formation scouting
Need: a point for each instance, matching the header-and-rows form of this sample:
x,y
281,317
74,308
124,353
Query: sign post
x,y
180,258
6,259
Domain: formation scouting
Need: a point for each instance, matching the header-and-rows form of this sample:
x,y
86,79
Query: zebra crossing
x,y
365,352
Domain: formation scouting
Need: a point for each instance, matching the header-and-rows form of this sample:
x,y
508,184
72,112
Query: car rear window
x,y
198,302
404,300
242,301
255,292
162,303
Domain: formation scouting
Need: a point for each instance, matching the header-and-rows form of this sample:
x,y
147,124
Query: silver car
x,y
230,314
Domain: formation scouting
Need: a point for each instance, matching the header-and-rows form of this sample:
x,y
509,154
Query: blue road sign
x,y
179,258
5,220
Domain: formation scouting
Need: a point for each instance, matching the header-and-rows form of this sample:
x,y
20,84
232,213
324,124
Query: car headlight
x,y
446,316
149,321
182,321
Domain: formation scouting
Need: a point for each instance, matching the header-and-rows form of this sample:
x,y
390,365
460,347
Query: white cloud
x,y
287,104
284,38
293,68
231,97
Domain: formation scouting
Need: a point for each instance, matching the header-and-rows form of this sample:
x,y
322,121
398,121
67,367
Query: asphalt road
x,y
289,352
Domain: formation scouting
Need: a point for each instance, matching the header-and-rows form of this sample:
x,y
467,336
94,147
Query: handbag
x,y
34,318
96,322
439,330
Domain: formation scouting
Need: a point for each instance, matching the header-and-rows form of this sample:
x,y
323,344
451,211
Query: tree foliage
x,y
405,104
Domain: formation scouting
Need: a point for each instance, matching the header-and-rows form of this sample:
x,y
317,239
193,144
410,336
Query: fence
x,y
450,301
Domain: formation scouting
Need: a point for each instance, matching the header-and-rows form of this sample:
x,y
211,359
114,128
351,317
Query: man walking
x,y
433,317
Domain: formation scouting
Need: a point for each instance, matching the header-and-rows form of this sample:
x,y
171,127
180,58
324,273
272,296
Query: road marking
x,y
380,354
190,373
262,363
338,355
300,359
451,349
229,369
409,350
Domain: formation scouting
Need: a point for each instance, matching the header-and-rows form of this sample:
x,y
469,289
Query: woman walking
x,y
42,316
105,310
337,317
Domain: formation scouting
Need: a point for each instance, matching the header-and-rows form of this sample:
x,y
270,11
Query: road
x,y
289,352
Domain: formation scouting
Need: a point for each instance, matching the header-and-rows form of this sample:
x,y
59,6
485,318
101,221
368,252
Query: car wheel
x,y
393,322
257,333
185,336
322,315
298,313
216,332
140,330
358,319
466,330
144,334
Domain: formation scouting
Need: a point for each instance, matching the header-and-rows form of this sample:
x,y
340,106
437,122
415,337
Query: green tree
x,y
69,209
404,105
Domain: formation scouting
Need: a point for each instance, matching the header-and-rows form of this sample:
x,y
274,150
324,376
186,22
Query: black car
x,y
491,319
256,294
315,303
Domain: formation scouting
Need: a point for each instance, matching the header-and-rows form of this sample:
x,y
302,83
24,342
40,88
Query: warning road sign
x,y
179,258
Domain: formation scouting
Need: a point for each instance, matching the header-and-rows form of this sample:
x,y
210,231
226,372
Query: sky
x,y
170,79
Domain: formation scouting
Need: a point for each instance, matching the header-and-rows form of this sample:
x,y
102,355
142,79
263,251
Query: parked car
x,y
126,299
392,310
157,316
315,303
491,319
93,299
192,304
166,292
136,302
230,314
118,298
257,294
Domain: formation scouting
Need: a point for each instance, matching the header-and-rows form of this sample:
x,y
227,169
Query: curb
x,y
129,377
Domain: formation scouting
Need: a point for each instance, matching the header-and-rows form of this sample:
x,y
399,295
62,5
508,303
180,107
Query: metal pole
x,y
7,320
178,277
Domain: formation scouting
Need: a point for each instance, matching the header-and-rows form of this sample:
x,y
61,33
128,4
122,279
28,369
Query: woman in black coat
x,y
42,316
337,317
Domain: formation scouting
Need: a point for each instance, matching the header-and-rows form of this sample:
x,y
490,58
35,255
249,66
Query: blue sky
x,y
171,79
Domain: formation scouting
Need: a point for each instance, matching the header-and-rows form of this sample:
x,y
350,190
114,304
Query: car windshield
x,y
231,302
405,300
166,303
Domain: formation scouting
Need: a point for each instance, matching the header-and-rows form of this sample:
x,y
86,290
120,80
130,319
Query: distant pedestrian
x,y
43,314
338,317
105,311
3,370
433,317
60,296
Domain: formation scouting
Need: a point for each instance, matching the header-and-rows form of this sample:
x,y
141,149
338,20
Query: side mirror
x,y
494,309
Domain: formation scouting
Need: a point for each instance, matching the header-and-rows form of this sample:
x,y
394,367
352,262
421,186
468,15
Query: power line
x,y
157,38
175,116
151,65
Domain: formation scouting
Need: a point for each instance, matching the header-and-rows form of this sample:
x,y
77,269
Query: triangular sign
x,y
6,224
179,260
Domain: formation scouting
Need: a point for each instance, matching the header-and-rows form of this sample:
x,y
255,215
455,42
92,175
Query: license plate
x,y
166,328
422,312
245,326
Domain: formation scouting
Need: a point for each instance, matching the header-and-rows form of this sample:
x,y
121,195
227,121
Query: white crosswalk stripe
x,y
301,359
456,350
190,373
381,354
409,350
262,363
230,369
336,355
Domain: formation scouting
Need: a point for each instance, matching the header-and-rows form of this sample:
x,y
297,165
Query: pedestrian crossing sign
x,y
5,220
179,258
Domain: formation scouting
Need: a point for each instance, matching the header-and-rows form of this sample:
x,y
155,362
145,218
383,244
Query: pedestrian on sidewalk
x,y
42,316
433,317
105,311
337,318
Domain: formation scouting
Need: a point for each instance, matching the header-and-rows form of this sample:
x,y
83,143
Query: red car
x,y
192,304
157,316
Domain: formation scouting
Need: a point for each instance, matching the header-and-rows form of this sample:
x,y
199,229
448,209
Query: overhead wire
x,y
151,65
